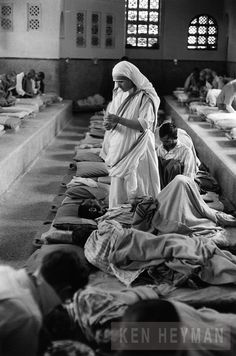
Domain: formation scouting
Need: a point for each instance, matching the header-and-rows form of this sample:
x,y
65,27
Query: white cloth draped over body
x,y
130,154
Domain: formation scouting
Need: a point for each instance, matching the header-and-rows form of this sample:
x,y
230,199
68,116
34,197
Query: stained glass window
x,y
202,33
142,23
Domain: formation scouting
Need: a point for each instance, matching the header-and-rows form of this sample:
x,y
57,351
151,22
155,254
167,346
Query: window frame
x,y
148,36
215,24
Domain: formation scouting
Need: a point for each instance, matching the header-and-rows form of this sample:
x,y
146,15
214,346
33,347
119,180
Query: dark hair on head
x,y
83,210
124,58
64,268
32,71
41,75
153,311
168,129
11,73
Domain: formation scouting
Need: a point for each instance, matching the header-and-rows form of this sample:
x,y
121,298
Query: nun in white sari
x,y
129,144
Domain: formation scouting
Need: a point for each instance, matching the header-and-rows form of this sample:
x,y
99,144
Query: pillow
x,y
226,124
83,192
67,219
82,155
91,169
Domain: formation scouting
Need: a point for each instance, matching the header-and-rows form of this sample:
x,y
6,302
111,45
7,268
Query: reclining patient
x,y
178,208
95,308
191,328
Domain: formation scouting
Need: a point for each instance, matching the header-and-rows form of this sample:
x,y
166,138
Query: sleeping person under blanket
x,y
178,208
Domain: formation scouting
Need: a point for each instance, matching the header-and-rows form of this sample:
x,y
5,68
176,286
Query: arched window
x,y
202,33
142,23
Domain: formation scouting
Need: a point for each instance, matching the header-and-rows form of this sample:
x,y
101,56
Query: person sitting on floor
x,y
174,157
40,86
25,84
183,137
25,299
192,83
226,99
7,83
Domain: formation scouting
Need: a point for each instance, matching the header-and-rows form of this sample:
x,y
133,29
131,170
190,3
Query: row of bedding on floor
x,y
175,247
13,117
210,111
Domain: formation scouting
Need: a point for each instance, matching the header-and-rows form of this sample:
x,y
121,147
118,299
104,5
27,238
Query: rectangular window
x,y
6,17
142,23
96,29
110,32
81,29
34,17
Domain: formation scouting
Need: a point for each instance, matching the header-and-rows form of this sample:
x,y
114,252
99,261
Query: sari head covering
x,y
130,71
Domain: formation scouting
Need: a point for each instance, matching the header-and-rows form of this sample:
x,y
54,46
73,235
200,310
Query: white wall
x,y
68,44
43,43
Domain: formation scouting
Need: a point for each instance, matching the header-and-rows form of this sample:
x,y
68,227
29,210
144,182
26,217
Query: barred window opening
x,y
202,33
142,23
34,16
6,17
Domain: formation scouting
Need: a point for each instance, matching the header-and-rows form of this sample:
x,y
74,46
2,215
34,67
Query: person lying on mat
x,y
174,328
178,208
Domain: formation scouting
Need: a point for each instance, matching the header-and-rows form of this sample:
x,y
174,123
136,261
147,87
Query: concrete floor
x,y
25,206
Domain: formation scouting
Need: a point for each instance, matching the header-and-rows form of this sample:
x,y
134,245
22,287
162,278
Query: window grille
x,y
202,33
34,13
96,29
6,17
142,23
109,35
81,29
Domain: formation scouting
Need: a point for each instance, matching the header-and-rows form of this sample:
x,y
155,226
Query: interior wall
x,y
157,64
175,18
78,73
23,43
87,78
68,47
